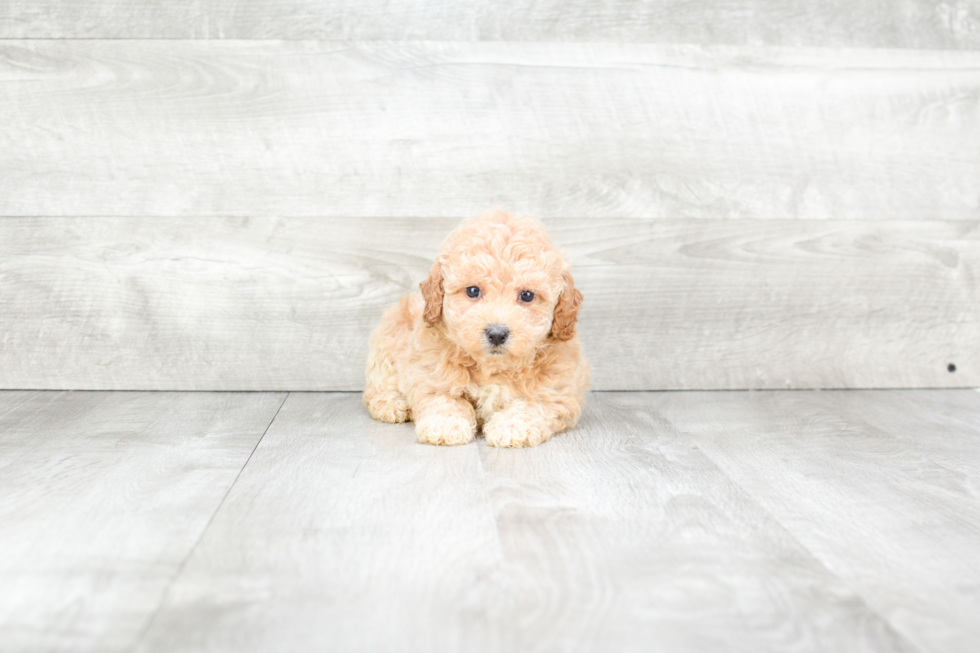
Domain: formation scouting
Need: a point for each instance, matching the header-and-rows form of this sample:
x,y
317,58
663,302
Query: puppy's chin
x,y
504,357
494,356
490,354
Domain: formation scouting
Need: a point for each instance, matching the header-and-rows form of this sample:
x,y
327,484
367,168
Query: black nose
x,y
497,335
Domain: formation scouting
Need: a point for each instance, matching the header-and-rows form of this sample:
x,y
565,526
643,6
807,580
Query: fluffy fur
x,y
433,359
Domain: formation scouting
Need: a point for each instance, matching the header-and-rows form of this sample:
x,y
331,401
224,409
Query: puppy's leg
x,y
381,395
523,424
441,419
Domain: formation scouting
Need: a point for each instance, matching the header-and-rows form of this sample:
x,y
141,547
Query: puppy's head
x,y
501,289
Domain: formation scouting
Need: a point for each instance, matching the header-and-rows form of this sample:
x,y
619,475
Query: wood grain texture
x,y
874,497
621,536
197,128
941,426
904,24
344,533
288,303
102,498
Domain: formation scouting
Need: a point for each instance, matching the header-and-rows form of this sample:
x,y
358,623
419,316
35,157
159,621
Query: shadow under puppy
x,y
489,343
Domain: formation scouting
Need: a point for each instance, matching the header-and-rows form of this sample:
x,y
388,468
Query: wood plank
x,y
940,426
880,508
620,534
102,498
345,534
909,24
410,129
288,303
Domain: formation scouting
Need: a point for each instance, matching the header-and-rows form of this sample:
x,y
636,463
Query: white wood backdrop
x,y
746,212
259,303
204,128
936,24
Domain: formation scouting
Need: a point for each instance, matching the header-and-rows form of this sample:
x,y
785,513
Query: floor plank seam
x,y
789,534
488,494
180,569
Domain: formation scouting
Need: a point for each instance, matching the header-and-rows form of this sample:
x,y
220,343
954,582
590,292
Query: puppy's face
x,y
501,289
497,311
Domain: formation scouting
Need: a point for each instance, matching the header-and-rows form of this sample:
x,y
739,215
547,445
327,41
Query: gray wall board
x,y
288,303
198,128
924,24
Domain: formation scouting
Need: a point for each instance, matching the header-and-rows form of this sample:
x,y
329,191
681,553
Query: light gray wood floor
x,y
692,521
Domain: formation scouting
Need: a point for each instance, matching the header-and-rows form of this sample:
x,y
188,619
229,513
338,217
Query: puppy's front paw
x,y
509,429
390,410
445,429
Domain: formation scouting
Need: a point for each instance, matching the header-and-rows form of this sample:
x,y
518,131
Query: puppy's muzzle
x,y
496,335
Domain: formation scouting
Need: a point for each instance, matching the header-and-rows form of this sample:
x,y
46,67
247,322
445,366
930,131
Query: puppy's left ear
x,y
566,312
432,292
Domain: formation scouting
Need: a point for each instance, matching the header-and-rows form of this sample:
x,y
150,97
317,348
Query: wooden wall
x,y
224,195
920,24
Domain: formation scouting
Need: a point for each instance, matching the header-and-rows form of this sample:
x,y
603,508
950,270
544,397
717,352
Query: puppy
x,y
489,343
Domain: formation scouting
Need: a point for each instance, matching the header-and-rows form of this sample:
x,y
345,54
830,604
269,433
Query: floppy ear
x,y
432,293
566,312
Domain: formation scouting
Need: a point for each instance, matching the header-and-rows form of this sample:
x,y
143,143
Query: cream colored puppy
x,y
490,342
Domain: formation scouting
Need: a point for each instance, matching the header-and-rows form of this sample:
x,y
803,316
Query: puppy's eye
x,y
527,296
473,292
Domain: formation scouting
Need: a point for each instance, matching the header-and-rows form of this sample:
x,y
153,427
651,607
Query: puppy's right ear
x,y
432,293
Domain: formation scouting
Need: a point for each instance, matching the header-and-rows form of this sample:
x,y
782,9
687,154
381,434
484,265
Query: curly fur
x,y
431,358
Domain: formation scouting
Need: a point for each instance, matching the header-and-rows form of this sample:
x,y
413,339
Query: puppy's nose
x,y
497,335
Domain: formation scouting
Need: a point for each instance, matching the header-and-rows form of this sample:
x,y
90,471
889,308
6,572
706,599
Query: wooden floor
x,y
735,521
